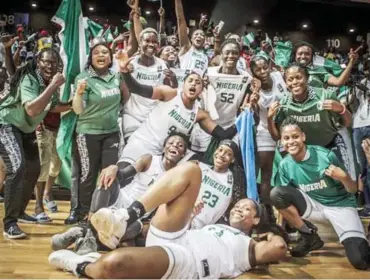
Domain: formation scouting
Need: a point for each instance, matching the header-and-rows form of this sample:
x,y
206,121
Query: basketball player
x,y
192,56
312,185
229,86
147,70
173,251
112,191
178,112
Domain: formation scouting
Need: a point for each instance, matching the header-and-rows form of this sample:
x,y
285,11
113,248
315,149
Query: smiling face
x,y
198,39
230,55
174,149
173,41
303,55
193,86
296,80
149,44
292,139
243,215
261,70
223,157
169,54
101,58
47,63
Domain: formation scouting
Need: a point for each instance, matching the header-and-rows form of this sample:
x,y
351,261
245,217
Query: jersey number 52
x,y
227,97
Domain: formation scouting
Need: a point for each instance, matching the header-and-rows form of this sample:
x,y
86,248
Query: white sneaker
x,y
110,224
68,260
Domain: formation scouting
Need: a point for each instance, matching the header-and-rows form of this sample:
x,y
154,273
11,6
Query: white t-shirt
x,y
361,117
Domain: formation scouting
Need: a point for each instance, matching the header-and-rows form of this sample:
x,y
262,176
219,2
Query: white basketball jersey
x,y
277,91
230,91
220,251
166,118
137,106
143,180
216,192
195,61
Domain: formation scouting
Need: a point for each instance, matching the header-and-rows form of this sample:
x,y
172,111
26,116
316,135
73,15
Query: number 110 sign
x,y
333,43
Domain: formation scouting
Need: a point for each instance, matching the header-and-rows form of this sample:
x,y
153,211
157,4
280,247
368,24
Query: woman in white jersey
x,y
178,112
216,251
192,55
147,70
227,90
170,55
272,89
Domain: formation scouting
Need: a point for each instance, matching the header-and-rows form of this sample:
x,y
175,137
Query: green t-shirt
x,y
309,177
102,99
12,110
320,126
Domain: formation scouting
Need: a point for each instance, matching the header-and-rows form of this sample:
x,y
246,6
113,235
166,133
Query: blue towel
x,y
244,125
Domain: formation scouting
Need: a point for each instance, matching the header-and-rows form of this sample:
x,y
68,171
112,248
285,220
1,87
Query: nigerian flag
x,y
108,36
248,39
74,52
95,29
116,32
283,52
332,67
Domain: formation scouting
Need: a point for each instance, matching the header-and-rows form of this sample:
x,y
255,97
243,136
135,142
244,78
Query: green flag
x,y
95,29
108,36
73,51
283,52
116,32
332,67
248,39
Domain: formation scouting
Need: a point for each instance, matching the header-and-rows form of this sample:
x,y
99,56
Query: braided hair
x,y
301,67
230,41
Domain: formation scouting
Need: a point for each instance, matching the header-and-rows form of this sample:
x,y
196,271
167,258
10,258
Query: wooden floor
x,y
28,258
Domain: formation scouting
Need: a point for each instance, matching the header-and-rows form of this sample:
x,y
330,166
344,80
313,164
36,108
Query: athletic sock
x,y
135,212
305,229
81,267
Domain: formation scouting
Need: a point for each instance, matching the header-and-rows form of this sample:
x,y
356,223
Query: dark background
x,y
327,19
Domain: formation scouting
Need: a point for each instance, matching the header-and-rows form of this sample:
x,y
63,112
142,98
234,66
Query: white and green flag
x,y
73,51
95,29
248,39
332,67
108,36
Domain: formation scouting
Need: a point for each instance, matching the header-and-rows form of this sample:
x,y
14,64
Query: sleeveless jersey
x,y
143,180
230,91
220,251
195,61
138,107
278,90
216,192
167,117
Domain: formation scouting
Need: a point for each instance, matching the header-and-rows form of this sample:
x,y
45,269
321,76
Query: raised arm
x,y
162,27
209,126
36,106
344,77
132,45
185,43
8,42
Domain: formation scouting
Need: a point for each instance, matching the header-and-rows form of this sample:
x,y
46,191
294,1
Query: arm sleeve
x,y
281,179
134,86
222,134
